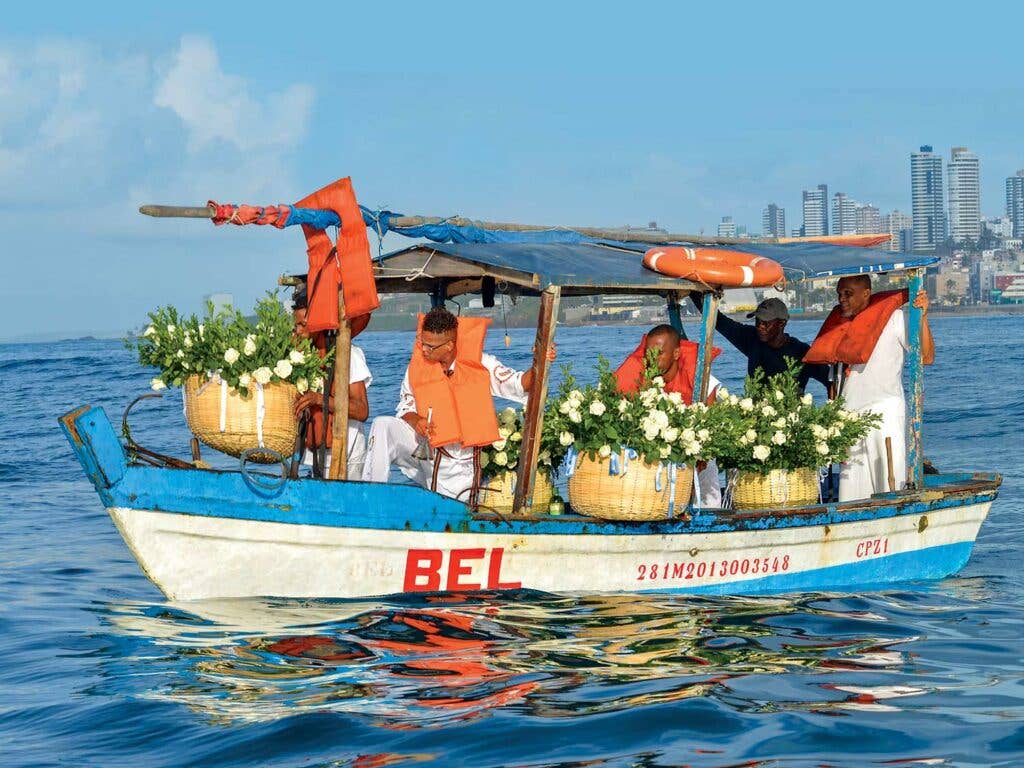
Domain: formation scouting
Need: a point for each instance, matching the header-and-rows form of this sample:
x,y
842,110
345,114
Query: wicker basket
x,y
498,491
203,414
629,495
779,488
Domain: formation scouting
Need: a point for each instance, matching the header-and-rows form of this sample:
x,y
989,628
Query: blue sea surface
x,y
98,669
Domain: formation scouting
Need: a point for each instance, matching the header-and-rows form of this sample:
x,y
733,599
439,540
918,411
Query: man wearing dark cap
x,y
766,344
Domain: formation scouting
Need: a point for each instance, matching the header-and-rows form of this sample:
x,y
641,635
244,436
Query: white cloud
x,y
216,106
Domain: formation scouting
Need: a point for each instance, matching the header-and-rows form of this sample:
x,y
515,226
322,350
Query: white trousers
x,y
710,487
393,441
866,471
356,452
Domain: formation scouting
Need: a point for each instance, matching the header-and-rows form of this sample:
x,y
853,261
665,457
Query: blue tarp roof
x,y
603,264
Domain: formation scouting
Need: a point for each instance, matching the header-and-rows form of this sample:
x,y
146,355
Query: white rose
x,y
676,398
171,328
751,435
231,356
689,435
157,384
744,440
504,431
723,393
703,434
262,375
671,434
201,329
297,357
566,438
245,380
623,405
604,451
660,418
283,369
747,404
302,385
317,385
768,411
249,345
779,423
576,395
515,437
507,416
149,331
575,417
843,415
597,408
658,382
733,400
188,339
762,452
501,458
793,418
181,353
694,448
819,431
664,451
807,399
499,445
651,432
778,394
779,438
822,448
565,407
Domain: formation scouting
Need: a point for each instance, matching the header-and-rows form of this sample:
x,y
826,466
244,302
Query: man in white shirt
x,y
876,383
359,378
446,395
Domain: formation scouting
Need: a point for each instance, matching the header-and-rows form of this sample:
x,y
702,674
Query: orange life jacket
x,y
851,340
631,371
460,406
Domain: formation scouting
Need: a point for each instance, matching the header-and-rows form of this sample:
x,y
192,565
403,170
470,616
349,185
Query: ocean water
x,y
97,669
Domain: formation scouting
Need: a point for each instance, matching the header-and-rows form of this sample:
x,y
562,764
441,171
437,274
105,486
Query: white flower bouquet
x,y
239,350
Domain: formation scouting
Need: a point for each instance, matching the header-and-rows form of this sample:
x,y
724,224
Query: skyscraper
x,y
773,221
816,211
964,195
727,227
926,199
1015,202
844,215
897,224
869,219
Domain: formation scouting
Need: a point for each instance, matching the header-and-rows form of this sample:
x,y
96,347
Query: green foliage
x,y
231,346
503,455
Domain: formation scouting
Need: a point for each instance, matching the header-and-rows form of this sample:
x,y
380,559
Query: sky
x,y
565,114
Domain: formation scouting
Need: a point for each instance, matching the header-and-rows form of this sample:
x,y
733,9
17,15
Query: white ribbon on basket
x,y
223,405
261,412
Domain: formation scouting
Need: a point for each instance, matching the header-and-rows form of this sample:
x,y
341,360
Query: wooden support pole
x,y
707,337
915,424
533,422
339,395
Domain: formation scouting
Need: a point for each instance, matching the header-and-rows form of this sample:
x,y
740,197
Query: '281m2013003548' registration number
x,y
710,569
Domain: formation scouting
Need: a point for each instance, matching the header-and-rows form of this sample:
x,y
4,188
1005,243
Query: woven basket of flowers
x,y
240,376
778,439
614,488
499,461
498,492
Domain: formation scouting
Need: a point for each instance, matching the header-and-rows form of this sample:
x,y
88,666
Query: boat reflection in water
x,y
438,660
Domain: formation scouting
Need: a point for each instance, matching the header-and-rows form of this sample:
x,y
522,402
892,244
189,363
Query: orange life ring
x,y
715,266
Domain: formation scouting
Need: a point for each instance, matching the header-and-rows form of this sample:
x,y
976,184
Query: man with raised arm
x,y
865,336
677,363
765,344
446,401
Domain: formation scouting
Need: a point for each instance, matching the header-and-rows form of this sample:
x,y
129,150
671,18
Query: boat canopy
x,y
601,266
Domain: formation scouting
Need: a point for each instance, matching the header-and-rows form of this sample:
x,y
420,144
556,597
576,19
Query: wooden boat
x,y
200,533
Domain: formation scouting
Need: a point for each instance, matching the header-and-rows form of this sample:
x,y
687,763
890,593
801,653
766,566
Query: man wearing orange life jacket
x,y
866,335
677,362
446,400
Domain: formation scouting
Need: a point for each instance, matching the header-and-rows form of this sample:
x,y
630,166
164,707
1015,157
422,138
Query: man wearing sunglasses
x,y
765,344
446,406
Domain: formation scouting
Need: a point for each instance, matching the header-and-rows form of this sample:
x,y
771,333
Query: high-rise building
x,y
926,199
844,214
1015,202
964,195
900,229
816,211
773,221
869,219
727,227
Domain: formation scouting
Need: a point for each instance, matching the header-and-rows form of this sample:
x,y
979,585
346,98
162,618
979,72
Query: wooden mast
x,y
707,335
915,424
339,395
533,422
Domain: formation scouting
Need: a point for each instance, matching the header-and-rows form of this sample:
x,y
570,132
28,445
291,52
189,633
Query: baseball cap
x,y
770,309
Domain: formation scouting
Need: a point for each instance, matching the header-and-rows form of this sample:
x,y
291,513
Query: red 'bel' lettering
x,y
494,572
456,569
423,564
